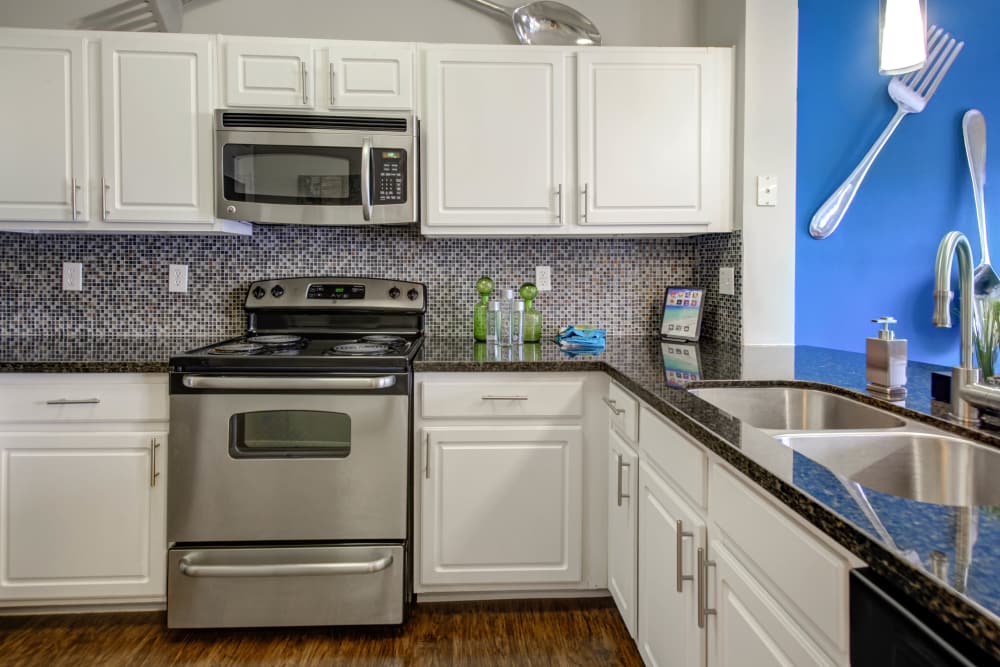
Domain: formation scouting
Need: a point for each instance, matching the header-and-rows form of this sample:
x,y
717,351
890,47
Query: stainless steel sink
x,y
796,409
928,467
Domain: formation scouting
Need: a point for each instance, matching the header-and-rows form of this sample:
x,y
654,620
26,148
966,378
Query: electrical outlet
x,y
178,279
72,276
543,278
727,280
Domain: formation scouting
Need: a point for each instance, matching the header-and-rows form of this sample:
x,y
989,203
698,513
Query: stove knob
x,y
394,292
277,291
412,295
259,292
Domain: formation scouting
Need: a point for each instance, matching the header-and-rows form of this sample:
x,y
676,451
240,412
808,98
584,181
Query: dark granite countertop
x,y
967,598
42,354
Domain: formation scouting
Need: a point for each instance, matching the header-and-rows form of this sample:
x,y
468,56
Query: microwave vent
x,y
303,121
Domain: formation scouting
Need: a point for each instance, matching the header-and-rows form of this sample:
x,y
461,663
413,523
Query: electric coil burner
x,y
289,457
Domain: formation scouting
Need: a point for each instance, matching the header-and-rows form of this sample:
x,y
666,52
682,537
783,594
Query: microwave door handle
x,y
366,179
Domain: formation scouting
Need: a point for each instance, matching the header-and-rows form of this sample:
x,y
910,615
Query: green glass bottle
x,y
532,317
484,286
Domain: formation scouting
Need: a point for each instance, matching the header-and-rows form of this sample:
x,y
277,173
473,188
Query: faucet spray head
x,y
942,308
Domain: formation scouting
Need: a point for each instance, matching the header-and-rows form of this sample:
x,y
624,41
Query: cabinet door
x,y
268,73
44,130
501,505
749,628
623,483
157,128
655,138
494,133
368,77
668,601
82,516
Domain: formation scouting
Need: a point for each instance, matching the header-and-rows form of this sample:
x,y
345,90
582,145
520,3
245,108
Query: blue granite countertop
x,y
965,542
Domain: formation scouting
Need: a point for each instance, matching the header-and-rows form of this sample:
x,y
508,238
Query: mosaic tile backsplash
x,y
616,283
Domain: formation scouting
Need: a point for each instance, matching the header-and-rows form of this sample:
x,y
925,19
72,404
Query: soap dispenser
x,y
885,362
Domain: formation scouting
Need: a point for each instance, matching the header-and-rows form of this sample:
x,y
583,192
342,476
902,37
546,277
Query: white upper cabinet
x,y
655,138
316,75
494,129
571,142
264,72
157,128
43,132
367,76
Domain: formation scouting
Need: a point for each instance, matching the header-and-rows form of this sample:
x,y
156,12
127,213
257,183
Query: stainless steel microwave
x,y
313,169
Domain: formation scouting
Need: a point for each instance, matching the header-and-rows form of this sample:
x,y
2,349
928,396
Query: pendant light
x,y
902,44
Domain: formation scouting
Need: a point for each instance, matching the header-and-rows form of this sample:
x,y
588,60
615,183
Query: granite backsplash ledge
x,y
616,283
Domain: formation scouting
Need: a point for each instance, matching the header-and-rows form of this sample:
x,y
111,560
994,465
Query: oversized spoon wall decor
x,y
546,22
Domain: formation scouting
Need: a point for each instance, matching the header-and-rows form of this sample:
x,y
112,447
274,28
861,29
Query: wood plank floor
x,y
536,632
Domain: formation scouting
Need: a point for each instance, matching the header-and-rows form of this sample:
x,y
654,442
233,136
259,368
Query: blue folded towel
x,y
581,338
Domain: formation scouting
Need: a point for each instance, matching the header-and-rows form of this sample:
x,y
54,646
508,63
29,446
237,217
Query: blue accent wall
x,y
880,261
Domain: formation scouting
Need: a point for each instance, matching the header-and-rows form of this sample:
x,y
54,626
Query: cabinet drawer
x,y
83,401
811,576
624,413
502,399
683,461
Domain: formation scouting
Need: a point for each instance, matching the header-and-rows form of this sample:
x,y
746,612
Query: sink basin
x,y
795,409
927,467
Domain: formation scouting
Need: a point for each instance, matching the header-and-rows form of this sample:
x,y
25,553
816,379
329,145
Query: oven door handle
x,y
281,383
192,569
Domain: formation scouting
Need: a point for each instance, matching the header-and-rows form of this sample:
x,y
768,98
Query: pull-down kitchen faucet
x,y
966,391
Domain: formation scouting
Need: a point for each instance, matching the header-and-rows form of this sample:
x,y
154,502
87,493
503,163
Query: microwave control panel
x,y
389,174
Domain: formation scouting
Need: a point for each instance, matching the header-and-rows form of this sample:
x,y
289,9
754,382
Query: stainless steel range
x,y
289,452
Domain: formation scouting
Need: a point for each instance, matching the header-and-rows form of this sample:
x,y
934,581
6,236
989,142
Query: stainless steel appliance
x,y
289,458
312,169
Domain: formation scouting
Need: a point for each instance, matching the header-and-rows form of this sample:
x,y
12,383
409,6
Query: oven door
x,y
316,178
270,459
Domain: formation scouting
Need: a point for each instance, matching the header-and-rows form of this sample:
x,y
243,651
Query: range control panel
x,y
389,175
323,293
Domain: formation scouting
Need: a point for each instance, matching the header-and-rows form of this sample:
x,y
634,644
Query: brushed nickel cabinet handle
x,y
622,464
490,397
332,84
559,208
681,577
74,188
304,73
73,401
104,198
586,202
614,406
703,610
153,472
427,455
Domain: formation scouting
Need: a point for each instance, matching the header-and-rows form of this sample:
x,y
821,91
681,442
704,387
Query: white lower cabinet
x,y
670,533
83,479
501,504
773,592
82,515
623,499
748,628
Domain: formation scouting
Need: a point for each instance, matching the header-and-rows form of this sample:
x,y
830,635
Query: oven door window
x,y
296,175
289,434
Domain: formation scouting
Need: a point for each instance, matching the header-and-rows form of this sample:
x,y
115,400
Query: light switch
x,y
767,191
727,280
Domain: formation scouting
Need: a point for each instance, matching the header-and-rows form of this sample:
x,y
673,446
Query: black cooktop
x,y
299,352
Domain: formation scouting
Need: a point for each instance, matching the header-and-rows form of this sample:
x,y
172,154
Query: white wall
x,y
622,22
766,39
